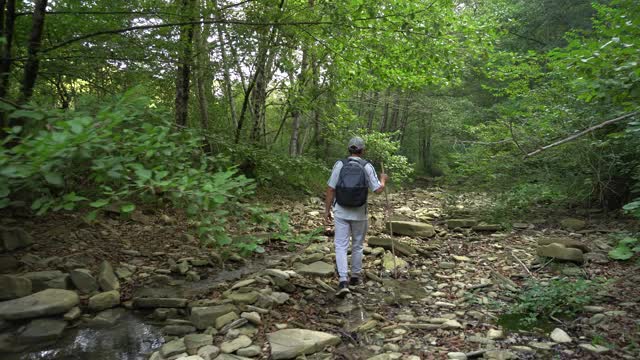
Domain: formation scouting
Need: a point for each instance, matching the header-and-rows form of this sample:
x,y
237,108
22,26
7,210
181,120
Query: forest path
x,y
446,302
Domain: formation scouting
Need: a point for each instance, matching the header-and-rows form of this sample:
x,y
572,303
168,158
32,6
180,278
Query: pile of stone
x,y
562,248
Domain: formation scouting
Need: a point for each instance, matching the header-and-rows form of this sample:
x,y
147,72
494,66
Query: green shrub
x,y
123,154
523,198
559,298
627,247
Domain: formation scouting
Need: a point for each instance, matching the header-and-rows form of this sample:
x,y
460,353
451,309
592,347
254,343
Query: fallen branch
x,y
583,132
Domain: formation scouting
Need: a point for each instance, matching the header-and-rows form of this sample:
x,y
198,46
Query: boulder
x,y
249,351
289,343
573,224
107,317
232,346
400,247
318,268
107,278
193,342
44,303
388,264
559,251
208,352
567,242
411,228
14,238
152,302
50,279
248,297
225,319
105,300
42,330
204,317
84,281
560,336
12,287
461,223
172,348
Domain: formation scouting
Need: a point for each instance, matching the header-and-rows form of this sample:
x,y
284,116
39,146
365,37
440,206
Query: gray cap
x,y
356,144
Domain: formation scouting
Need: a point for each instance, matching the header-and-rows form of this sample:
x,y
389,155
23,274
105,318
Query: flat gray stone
x,y
84,281
240,342
411,228
44,303
204,317
106,318
105,300
42,330
461,223
559,251
318,268
208,352
172,348
560,336
249,351
107,278
50,279
289,343
596,349
151,303
12,287
193,342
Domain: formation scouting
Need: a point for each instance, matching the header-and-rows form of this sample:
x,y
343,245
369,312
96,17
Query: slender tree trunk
x,y
185,57
296,111
372,109
226,65
395,113
385,112
404,119
33,63
7,26
202,64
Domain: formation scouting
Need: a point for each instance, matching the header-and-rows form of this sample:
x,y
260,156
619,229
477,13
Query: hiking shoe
x,y
354,281
343,289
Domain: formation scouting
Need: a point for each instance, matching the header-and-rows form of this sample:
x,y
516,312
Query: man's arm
x,y
383,183
328,202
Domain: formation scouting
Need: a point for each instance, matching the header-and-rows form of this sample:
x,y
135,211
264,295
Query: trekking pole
x,y
387,218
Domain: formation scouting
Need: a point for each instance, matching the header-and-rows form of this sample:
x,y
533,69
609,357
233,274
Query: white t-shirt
x,y
353,213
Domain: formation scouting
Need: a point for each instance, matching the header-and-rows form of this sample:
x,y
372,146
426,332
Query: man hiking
x,y
348,187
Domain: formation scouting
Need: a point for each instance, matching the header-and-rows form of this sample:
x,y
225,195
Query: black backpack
x,y
352,188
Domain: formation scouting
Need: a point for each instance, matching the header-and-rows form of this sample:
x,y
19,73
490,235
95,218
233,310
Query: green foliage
x,y
125,153
522,199
558,298
627,247
382,148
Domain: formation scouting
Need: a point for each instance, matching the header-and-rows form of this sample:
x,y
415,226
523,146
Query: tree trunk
x,y
372,110
185,54
395,113
296,111
33,63
226,65
202,58
7,26
385,112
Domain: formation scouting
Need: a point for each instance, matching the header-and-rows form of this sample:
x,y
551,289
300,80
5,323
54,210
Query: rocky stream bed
x,y
144,289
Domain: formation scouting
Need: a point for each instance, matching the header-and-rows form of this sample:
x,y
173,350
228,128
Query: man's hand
x,y
383,177
327,218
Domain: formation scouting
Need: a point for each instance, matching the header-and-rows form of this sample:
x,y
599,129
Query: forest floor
x,y
446,302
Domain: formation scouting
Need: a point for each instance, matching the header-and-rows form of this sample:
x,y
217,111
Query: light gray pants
x,y
356,229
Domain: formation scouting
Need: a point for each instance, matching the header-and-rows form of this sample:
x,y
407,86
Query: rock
x,y
107,317
385,243
105,300
172,348
521,226
318,268
231,357
208,352
597,349
73,314
457,356
487,227
44,303
225,319
596,319
50,279
150,303
452,324
388,264
15,238
573,224
253,317
308,259
495,334
243,283
289,343
499,355
559,251
522,348
249,351
277,273
240,342
191,357
411,228
12,287
593,309
461,258
249,297
193,342
387,356
284,284
84,281
204,317
560,336
446,265
123,273
8,264
567,242
107,278
178,330
42,330
461,223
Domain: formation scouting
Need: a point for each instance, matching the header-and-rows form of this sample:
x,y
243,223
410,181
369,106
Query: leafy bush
x,y
380,147
124,153
558,298
522,198
626,248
